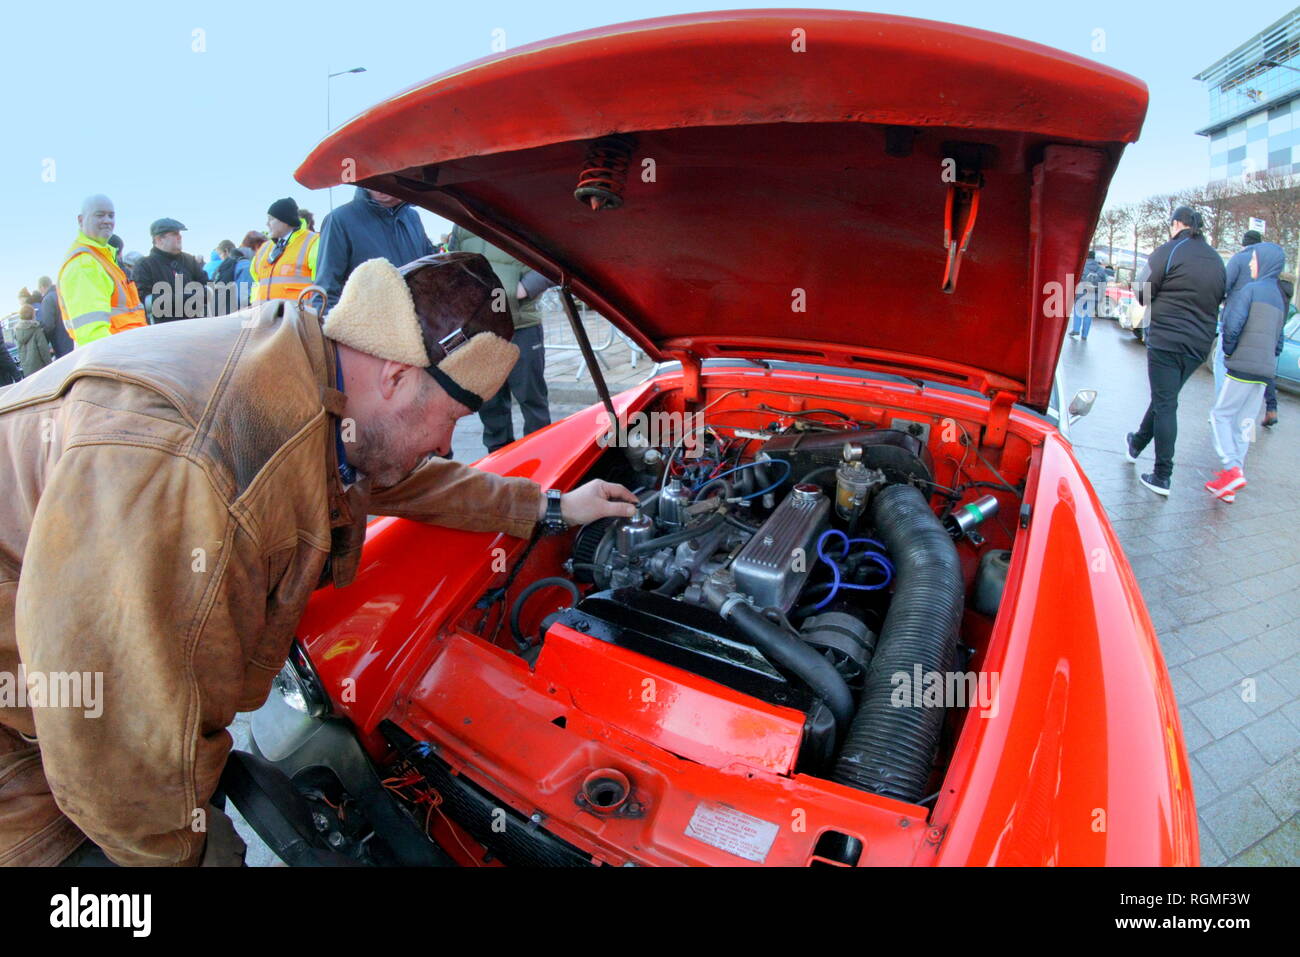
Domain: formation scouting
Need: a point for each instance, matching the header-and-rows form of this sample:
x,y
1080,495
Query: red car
x,y
871,611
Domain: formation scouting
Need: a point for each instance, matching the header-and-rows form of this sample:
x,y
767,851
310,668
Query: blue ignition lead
x,y
836,582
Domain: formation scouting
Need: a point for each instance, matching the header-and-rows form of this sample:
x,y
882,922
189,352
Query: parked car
x,y
852,493
1135,319
1118,298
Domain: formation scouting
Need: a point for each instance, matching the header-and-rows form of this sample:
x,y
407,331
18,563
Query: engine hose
x,y
889,750
790,652
674,584
741,524
711,483
517,608
676,538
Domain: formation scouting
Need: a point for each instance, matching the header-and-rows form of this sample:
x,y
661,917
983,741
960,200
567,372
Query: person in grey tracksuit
x,y
1252,341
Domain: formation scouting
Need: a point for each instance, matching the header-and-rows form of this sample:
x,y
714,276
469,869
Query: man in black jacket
x,y
51,319
1183,283
173,281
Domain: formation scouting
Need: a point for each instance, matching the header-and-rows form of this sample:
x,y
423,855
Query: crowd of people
x,y
101,290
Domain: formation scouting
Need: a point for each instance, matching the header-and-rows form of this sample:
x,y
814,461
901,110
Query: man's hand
x,y
596,499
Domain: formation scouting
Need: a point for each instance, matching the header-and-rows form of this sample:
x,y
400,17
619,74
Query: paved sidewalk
x,y
1222,584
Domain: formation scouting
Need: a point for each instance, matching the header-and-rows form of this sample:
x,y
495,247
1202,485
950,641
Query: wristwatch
x,y
554,520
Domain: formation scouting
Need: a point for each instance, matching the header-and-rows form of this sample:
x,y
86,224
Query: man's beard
x,y
378,451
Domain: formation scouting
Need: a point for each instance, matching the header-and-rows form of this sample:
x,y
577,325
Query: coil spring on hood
x,y
604,173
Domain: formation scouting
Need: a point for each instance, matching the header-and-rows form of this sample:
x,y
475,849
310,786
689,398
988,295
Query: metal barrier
x,y
602,333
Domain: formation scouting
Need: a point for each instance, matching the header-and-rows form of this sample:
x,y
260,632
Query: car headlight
x,y
299,685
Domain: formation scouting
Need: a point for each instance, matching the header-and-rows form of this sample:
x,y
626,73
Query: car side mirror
x,y
1081,405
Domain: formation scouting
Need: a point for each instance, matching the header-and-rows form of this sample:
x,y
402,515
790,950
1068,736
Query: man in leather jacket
x,y
176,493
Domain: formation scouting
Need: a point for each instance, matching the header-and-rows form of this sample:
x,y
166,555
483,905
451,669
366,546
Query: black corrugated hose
x,y
788,651
889,750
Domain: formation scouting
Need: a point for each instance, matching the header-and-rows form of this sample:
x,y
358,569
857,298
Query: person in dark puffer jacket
x,y
1252,341
1237,275
1184,284
1089,294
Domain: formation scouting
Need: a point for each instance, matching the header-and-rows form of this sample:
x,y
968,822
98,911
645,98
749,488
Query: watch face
x,y
554,517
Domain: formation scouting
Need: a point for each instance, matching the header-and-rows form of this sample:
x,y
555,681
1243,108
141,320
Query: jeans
x,y
1270,396
1083,310
1167,372
527,383
1234,419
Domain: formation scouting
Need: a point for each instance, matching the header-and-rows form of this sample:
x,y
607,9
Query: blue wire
x,y
749,465
837,583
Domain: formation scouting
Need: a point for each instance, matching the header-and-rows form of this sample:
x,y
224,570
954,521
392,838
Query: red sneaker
x,y
1230,497
1225,483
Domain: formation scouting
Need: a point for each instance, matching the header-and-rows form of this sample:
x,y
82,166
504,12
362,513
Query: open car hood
x,y
799,183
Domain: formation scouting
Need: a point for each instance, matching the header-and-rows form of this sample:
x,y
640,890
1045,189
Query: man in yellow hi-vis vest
x,y
285,266
94,293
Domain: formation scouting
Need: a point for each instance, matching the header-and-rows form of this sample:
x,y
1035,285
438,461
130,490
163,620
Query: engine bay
x,y
804,551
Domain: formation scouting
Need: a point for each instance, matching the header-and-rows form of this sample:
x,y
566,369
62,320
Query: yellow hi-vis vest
x,y
291,273
85,323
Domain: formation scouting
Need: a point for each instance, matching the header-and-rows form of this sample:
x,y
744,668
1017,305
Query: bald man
x,y
263,439
94,295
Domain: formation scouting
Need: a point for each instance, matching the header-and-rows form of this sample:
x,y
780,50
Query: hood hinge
x,y
995,432
691,365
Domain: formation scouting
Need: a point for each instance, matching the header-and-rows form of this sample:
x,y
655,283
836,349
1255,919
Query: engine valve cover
x,y
774,565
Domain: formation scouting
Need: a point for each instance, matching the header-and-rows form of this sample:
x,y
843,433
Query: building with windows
x,y
1255,104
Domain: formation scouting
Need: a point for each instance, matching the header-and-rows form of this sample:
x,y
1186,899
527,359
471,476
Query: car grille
x,y
521,843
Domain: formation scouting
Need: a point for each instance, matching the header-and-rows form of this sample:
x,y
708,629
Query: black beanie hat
x,y
286,211
1250,237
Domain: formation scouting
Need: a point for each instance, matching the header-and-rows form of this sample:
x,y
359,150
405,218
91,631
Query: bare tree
x,y
1112,223
1275,198
1226,206
1217,202
1152,219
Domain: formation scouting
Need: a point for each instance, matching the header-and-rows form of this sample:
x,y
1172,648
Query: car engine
x,y
806,576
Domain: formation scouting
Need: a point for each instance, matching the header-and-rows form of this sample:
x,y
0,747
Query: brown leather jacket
x,y
171,499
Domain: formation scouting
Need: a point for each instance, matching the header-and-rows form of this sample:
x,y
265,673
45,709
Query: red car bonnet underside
x,y
788,180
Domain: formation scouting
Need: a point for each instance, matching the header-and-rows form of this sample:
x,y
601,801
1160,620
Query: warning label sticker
x,y
732,831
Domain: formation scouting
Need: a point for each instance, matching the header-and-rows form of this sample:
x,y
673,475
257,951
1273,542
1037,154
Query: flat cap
x,y
165,225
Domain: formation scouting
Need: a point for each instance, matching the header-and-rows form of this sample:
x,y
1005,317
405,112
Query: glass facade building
x,y
1255,104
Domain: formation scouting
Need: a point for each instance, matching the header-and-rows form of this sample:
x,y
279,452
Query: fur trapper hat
x,y
445,313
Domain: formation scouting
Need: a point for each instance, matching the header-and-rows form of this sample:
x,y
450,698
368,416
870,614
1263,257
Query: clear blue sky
x,y
117,97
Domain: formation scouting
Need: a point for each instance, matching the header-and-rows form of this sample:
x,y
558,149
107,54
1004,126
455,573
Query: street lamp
x,y
328,124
